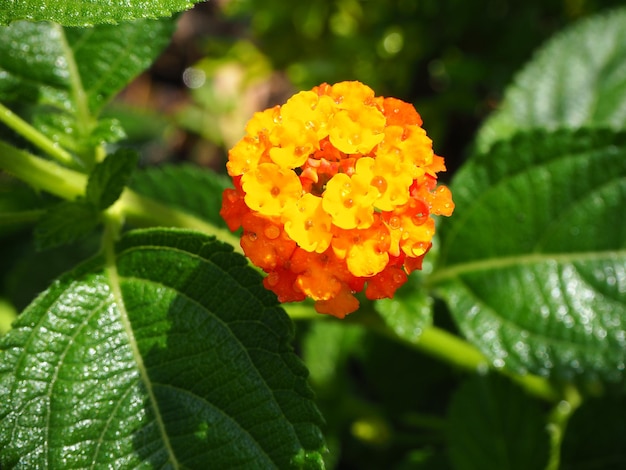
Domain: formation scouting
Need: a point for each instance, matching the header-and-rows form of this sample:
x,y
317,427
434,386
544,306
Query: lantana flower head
x,y
335,191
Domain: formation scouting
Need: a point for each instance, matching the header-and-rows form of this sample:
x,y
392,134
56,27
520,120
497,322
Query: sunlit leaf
x,y
84,12
67,75
7,316
167,352
532,264
578,79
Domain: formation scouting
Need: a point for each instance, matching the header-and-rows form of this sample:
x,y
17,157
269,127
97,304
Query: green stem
x,y
27,131
42,174
84,119
433,341
141,210
457,352
451,349
20,217
68,184
559,418
536,386
437,343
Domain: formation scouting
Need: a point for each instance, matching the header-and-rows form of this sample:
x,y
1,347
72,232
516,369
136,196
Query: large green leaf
x,y
532,262
69,74
577,79
492,425
167,352
84,12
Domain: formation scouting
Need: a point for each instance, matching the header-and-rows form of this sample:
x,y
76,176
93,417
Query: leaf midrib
x,y
509,323
114,282
455,271
83,115
227,326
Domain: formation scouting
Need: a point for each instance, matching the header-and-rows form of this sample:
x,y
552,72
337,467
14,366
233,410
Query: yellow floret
x,y
269,188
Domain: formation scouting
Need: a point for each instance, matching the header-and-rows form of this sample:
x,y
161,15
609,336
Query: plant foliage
x,y
160,347
86,13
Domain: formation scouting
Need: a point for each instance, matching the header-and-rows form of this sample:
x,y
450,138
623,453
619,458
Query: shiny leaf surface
x,y
137,358
84,13
578,79
532,263
67,75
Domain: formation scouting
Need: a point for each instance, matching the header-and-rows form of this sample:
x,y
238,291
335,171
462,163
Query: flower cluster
x,y
335,191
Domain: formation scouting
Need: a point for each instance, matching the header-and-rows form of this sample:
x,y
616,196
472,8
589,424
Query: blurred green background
x,y
451,58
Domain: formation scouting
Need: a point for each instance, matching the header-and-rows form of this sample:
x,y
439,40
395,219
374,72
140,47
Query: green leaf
x,y
493,425
325,349
578,79
532,261
410,310
596,436
187,187
65,223
7,316
108,178
167,352
64,130
67,75
26,271
84,12
19,205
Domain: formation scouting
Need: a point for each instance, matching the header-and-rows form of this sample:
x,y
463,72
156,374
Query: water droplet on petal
x,y
419,218
379,183
272,278
394,222
272,232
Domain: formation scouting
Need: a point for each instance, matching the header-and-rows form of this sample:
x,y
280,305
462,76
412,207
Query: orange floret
x,y
335,191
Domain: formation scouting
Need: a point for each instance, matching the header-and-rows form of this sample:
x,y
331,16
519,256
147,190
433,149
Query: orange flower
x,y
335,191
